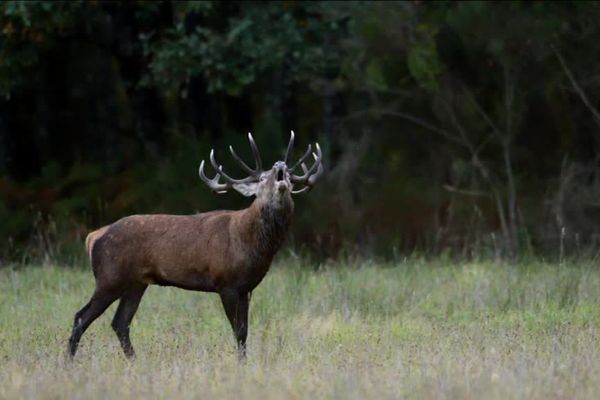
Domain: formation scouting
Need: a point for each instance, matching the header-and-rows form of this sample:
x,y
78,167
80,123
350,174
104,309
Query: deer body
x,y
208,252
227,252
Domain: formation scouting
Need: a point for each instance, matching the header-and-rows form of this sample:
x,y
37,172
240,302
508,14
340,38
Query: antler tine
x,y
304,189
311,170
301,160
290,147
255,152
213,183
219,169
311,180
241,162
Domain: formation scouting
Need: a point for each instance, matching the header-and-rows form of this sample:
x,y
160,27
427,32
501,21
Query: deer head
x,y
274,186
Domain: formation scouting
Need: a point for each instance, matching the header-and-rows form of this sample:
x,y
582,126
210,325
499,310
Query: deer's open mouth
x,y
279,175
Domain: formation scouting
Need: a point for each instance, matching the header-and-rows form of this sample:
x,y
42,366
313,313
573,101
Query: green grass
x,y
408,330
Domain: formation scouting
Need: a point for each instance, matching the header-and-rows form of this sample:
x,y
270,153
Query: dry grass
x,y
411,330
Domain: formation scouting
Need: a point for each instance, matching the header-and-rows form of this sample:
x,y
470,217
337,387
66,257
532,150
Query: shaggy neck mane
x,y
271,228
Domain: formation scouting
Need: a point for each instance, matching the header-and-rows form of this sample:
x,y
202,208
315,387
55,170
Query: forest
x,y
466,129
448,250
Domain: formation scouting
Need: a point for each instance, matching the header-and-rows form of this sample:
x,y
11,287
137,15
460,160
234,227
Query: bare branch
x,y
578,89
482,112
424,124
465,191
506,146
462,132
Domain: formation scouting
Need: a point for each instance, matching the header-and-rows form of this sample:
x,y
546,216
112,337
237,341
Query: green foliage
x,y
422,59
261,38
27,30
375,75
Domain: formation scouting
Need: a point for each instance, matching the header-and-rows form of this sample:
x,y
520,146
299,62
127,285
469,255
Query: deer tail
x,y
91,238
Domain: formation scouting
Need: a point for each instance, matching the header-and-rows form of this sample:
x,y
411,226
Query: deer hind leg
x,y
88,314
122,320
236,308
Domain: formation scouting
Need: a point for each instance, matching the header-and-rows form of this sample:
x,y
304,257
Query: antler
x,y
290,147
308,179
256,153
311,179
251,178
310,174
218,187
288,153
214,182
258,164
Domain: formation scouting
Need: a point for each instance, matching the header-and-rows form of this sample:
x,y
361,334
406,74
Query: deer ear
x,y
247,189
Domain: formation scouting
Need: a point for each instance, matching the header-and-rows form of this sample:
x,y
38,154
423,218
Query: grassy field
x,y
407,330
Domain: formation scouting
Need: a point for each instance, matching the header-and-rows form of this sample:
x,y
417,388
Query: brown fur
x,y
228,252
210,252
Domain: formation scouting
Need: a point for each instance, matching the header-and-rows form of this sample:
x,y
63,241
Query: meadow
x,y
408,329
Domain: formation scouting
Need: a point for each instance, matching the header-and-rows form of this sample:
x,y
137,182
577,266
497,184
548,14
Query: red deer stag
x,y
227,252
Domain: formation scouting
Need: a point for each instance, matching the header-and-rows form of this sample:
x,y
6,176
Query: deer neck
x,y
268,227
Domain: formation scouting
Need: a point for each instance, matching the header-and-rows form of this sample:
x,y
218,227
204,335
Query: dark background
x,y
458,128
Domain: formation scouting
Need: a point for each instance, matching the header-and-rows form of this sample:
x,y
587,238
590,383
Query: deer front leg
x,y
236,307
